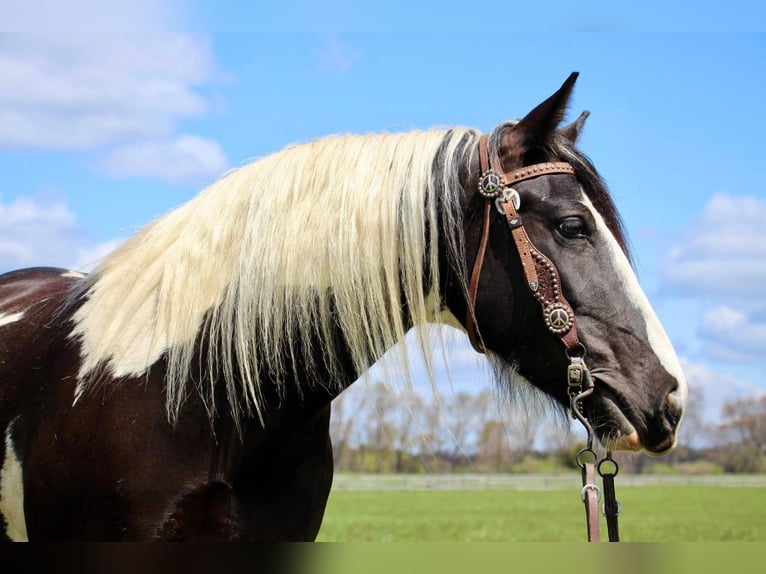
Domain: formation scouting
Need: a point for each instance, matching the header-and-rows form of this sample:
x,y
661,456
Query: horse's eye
x,y
572,227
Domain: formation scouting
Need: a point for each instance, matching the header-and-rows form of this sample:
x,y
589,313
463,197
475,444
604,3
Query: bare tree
x,y
347,411
744,429
460,418
429,436
493,445
521,426
744,421
380,423
405,428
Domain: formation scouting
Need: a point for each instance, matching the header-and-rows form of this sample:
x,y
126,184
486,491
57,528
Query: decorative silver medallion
x,y
491,183
558,318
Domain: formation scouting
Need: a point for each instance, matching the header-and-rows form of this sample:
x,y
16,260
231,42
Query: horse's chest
x,y
206,513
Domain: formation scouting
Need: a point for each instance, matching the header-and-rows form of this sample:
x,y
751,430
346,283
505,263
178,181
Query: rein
x,y
543,280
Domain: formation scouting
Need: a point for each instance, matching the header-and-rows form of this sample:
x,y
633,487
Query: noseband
x,y
543,280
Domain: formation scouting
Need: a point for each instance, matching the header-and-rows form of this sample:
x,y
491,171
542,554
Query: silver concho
x,y
491,183
558,318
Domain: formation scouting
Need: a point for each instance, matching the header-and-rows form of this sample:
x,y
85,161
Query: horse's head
x,y
639,391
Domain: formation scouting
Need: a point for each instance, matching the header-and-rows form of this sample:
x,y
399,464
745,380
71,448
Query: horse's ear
x,y
572,131
537,126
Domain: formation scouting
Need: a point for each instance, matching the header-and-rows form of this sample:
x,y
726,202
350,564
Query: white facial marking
x,y
12,492
658,339
11,318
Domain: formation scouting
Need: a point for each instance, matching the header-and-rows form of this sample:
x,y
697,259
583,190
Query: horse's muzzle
x,y
655,432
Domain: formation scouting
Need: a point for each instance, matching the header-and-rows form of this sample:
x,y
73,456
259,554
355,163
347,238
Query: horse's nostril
x,y
674,409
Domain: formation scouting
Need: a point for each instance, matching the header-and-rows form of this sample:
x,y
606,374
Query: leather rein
x,y
543,280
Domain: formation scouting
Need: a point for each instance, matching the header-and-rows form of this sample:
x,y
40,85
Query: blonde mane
x,y
326,235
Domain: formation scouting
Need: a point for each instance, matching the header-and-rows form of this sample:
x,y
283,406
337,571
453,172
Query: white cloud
x,y
733,335
720,258
66,92
87,15
724,318
712,388
89,256
24,211
182,159
35,231
721,253
42,231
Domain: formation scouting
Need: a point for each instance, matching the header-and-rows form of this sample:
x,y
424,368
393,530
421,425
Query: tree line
x,y
376,427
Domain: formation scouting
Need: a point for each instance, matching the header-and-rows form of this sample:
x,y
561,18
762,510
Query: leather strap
x,y
523,245
611,509
470,320
473,288
543,280
612,506
540,273
537,170
590,496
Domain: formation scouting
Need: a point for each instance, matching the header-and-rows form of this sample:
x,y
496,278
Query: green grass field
x,y
679,513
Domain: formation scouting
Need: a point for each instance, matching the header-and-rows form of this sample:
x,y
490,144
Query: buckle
x,y
508,194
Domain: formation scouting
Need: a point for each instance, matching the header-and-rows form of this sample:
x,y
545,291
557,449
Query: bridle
x,y
542,277
543,280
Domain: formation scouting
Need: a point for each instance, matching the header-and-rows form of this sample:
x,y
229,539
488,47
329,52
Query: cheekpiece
x,y
491,184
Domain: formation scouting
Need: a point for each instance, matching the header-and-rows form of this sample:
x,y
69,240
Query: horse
x,y
182,389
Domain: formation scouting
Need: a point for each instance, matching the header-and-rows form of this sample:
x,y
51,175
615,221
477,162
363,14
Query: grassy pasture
x,y
674,512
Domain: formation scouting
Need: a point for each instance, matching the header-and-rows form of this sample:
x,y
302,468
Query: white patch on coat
x,y
658,339
12,492
12,318
73,274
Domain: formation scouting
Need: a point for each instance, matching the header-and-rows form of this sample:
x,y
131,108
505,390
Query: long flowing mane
x,y
326,241
326,237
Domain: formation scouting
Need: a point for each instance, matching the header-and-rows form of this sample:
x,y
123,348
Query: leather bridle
x,y
543,280
542,277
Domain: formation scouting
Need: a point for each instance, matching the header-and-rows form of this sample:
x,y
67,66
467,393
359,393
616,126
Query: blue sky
x,y
101,133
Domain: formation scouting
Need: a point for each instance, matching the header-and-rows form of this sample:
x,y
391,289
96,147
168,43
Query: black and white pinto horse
x,y
182,390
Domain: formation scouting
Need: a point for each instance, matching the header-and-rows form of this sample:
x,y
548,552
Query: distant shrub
x,y
532,464
747,458
698,467
659,468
